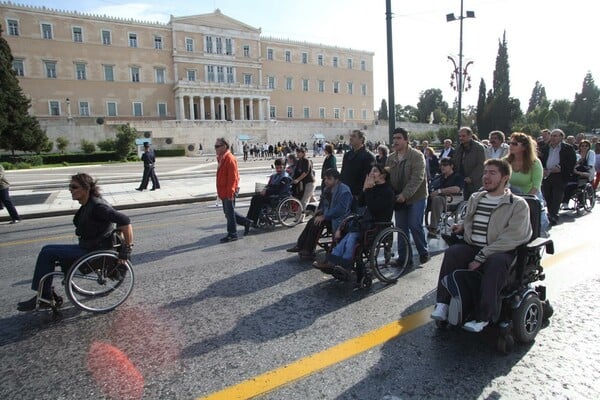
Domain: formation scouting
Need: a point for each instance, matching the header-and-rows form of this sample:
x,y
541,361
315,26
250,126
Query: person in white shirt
x,y
497,148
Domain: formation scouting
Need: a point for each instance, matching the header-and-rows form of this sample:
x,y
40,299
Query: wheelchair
x,y
96,282
456,208
376,253
284,210
525,308
583,198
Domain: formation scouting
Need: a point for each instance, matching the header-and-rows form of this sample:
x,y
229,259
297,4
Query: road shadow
x,y
156,255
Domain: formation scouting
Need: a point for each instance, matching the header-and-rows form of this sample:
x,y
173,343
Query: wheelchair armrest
x,y
541,242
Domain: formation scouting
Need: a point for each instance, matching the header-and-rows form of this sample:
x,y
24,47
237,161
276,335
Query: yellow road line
x,y
318,361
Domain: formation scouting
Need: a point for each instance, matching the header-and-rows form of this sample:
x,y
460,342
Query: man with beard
x,y
468,158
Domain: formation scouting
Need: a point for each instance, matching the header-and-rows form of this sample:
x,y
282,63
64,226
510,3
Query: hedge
x,y
170,153
57,158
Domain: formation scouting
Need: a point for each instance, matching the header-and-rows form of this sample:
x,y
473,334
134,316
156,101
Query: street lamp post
x,y
460,87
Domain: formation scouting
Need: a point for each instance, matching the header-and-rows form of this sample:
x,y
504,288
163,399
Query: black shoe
x,y
228,239
424,258
152,190
29,305
247,227
340,273
140,189
294,249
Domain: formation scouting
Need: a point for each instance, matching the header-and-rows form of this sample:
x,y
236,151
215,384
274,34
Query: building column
x,y
222,107
268,109
251,108
181,110
261,109
191,107
212,108
242,109
231,109
202,111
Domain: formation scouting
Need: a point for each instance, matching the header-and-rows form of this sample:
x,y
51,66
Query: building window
x,y
219,45
363,89
334,61
306,112
109,73
162,109
336,113
209,46
350,113
247,79
363,65
304,58
288,84
290,112
111,109
46,31
160,75
321,86
77,34
54,107
13,27
305,85
364,114
246,51
50,67
350,87
228,47
220,74
18,67
322,112
271,80
336,86
230,76
106,39
189,45
288,56
135,74
273,112
80,71
320,59
191,75
349,63
133,40
158,42
210,73
84,108
138,110
270,54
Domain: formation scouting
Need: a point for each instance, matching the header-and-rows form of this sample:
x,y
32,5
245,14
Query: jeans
x,y
233,218
409,219
66,254
7,202
343,252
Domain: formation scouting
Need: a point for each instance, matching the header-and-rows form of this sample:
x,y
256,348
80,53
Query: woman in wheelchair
x,y
378,197
583,173
94,227
495,224
279,186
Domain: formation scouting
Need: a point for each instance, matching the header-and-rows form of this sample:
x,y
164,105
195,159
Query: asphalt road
x,y
205,316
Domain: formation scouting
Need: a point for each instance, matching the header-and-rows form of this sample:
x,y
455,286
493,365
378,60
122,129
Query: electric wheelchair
x,y
525,307
96,282
583,198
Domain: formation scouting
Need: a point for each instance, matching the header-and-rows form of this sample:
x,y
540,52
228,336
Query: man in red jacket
x,y
228,180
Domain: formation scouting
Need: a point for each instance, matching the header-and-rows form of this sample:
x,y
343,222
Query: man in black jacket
x,y
558,160
356,164
149,160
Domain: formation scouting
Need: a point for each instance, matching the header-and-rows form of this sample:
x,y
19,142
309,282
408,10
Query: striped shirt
x,y
481,219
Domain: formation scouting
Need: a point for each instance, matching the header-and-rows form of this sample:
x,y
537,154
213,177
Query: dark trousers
x,y
256,203
66,254
494,276
553,189
307,241
233,218
149,174
7,202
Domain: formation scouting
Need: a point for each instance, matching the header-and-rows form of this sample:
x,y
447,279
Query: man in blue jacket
x,y
279,185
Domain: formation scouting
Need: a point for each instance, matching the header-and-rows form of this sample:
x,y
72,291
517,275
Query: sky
x,y
550,41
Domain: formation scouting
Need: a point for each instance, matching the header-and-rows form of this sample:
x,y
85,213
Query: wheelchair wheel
x,y
97,282
289,211
385,266
527,319
589,198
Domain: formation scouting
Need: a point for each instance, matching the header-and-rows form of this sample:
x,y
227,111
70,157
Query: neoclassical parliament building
x,y
192,72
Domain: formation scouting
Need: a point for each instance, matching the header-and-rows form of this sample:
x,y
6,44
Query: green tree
x,y
586,106
124,144
407,113
483,118
383,111
538,98
431,101
87,146
107,145
62,143
18,129
562,108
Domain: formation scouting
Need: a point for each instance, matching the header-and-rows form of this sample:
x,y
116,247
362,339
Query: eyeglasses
x,y
74,187
218,145
514,143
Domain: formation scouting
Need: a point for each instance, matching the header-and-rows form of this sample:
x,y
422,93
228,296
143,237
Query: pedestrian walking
x,y
149,160
228,180
5,200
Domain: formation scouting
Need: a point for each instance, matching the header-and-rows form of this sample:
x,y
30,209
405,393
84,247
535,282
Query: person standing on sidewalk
x,y
228,179
149,160
5,200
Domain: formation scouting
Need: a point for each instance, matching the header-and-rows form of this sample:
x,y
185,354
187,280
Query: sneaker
x,y
228,238
440,313
14,221
294,249
324,266
475,326
30,305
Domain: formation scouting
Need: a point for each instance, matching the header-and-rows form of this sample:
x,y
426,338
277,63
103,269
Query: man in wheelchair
x,y
378,197
495,224
94,225
279,186
447,183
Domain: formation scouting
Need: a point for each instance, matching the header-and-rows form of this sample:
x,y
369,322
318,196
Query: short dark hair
x,y
279,161
502,165
402,132
447,161
332,173
361,135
